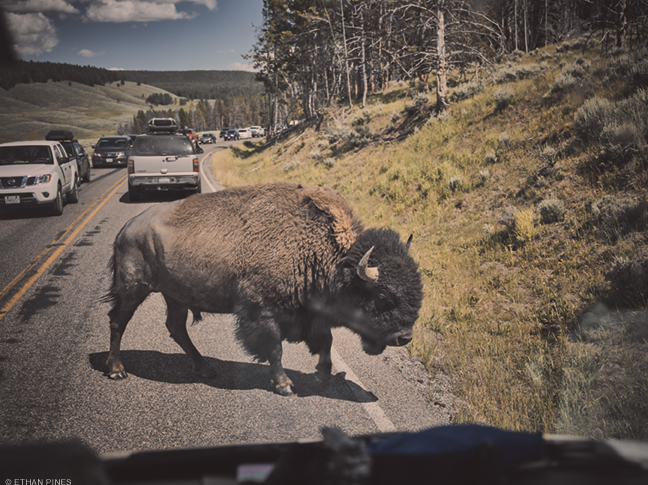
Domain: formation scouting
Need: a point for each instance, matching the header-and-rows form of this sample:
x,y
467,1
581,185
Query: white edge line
x,y
372,408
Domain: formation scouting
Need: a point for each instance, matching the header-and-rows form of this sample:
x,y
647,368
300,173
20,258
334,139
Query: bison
x,y
290,261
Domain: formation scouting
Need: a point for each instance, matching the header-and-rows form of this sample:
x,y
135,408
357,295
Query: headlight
x,y
43,179
120,154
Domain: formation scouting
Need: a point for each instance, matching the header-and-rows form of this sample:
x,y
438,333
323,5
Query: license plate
x,y
164,180
12,199
110,160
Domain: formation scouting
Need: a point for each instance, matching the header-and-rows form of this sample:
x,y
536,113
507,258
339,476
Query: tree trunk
x,y
442,85
346,56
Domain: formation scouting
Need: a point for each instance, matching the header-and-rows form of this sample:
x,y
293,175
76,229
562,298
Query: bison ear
x,y
364,271
408,243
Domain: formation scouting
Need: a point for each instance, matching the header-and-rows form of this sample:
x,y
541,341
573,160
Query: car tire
x,y
73,194
56,209
86,177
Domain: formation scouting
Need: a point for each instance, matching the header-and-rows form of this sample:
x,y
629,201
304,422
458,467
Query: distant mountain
x,y
199,84
186,84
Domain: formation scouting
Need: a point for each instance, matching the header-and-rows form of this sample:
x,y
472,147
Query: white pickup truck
x,y
163,161
37,174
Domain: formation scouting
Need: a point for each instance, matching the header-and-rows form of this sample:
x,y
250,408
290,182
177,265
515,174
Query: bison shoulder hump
x,y
344,225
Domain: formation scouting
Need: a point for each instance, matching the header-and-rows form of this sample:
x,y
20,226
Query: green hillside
x,y
29,111
528,205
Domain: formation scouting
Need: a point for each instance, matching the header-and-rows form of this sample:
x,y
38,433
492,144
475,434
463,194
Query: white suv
x,y
257,131
36,174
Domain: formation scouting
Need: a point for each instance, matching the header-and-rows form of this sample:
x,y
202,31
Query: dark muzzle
x,y
400,339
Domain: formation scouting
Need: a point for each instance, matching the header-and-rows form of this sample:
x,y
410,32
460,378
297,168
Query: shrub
x,y
484,176
617,216
329,162
491,157
620,142
504,97
417,103
466,90
638,75
628,281
551,210
575,70
292,165
524,227
592,116
456,183
563,82
504,140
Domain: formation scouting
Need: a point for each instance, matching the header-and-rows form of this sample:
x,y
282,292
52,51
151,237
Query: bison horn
x,y
409,242
365,273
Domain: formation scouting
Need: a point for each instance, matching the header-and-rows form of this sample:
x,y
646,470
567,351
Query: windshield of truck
x,y
17,155
162,145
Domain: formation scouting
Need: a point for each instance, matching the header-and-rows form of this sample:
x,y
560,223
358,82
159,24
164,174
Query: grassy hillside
x,y
528,205
29,111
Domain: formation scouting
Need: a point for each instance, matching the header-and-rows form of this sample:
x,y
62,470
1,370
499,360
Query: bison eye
x,y
384,303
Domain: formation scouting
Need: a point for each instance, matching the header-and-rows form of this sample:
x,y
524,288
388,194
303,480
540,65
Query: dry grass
x,y
505,292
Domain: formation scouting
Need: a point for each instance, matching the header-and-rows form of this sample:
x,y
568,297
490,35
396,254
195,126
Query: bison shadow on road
x,y
176,369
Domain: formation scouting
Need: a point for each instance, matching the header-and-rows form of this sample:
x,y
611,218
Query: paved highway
x,y
54,340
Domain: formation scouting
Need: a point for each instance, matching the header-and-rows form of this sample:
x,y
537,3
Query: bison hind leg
x,y
123,308
176,323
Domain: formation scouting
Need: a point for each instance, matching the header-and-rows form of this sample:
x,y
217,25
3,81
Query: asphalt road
x,y
54,340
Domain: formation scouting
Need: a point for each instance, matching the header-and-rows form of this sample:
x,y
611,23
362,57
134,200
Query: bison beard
x,y
291,262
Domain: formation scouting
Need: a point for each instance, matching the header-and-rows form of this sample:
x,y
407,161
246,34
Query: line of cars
x,y
45,173
242,133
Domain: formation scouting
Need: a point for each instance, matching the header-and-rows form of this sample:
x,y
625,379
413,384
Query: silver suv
x,y
163,162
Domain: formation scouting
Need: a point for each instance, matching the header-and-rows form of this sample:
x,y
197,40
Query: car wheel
x,y
86,176
56,209
73,195
133,194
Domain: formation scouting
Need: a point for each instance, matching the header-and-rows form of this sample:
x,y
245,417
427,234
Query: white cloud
x,y
33,33
239,66
90,54
39,6
138,11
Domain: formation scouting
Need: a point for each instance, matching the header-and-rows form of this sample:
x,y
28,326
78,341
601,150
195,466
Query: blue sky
x,y
152,35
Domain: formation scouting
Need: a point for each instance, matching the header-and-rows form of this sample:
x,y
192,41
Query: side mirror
x,y
200,150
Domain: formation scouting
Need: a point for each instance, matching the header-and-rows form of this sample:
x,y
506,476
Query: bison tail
x,y
111,296
197,316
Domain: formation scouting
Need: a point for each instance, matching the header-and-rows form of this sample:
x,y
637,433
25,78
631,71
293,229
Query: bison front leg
x,y
259,333
325,364
176,323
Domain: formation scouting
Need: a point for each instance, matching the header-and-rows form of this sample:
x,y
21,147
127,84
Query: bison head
x,y
382,290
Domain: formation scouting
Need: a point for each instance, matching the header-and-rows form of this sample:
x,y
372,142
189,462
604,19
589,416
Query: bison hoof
x,y
117,376
284,390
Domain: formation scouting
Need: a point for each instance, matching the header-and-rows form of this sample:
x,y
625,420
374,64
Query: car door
x,y
65,163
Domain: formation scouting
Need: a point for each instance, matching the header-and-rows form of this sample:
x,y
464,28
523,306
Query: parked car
x,y
207,138
111,150
232,134
37,174
74,150
163,161
245,133
257,131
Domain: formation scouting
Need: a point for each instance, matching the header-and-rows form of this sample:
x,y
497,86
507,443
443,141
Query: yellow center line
x,y
28,284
